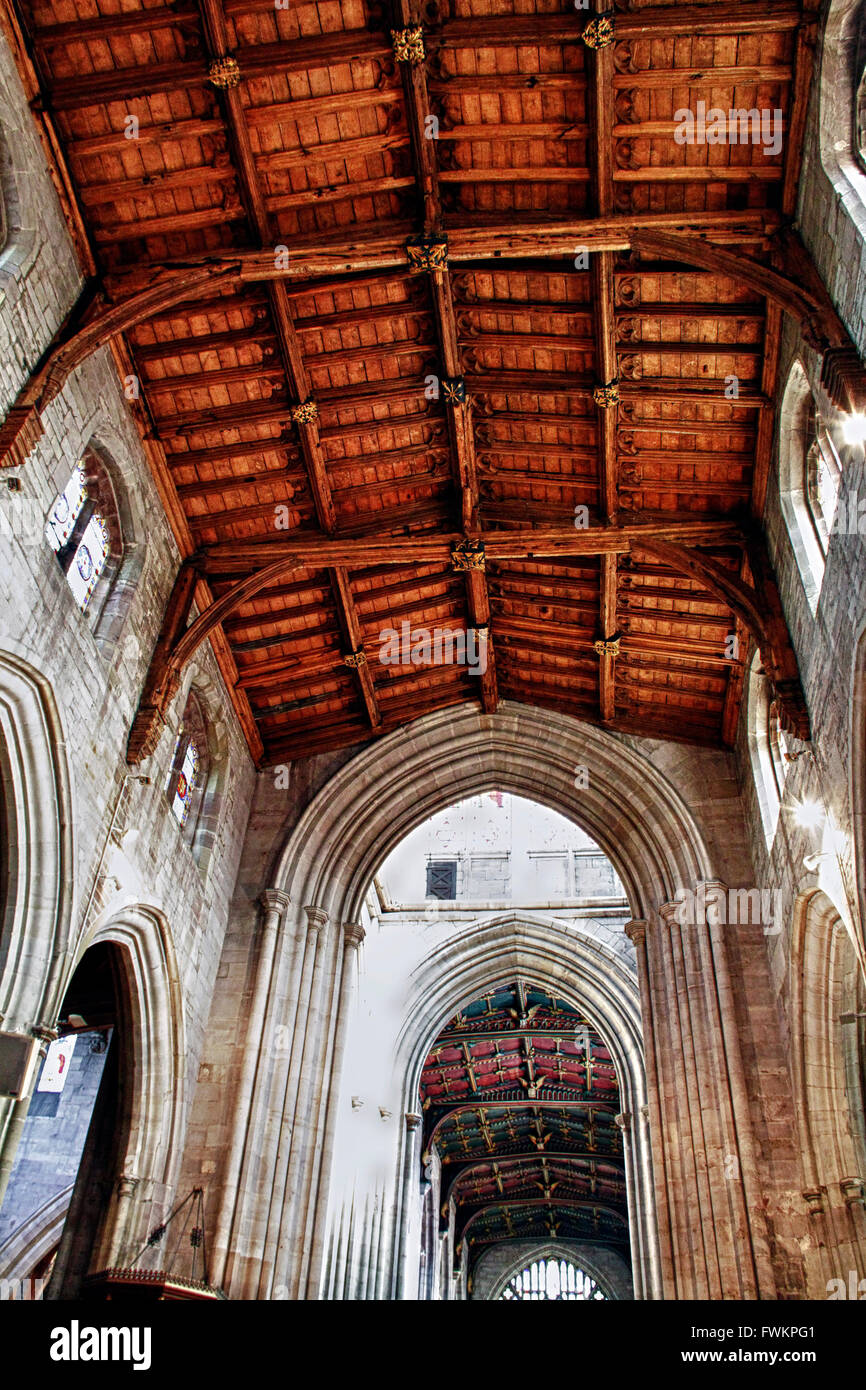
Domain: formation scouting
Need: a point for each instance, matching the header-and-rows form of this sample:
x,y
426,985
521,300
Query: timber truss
x,y
520,1105
434,324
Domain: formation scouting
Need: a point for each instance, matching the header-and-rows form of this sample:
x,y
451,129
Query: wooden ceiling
x,y
390,344
519,1101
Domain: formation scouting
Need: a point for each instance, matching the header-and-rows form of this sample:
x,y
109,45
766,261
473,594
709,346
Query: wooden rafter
x,y
566,145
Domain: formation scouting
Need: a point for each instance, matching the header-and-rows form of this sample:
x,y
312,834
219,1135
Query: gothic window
x,y
83,528
442,878
78,534
190,771
823,470
809,478
552,1279
777,745
768,748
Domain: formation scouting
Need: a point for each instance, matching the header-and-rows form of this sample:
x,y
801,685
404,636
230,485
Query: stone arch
x,y
827,982
628,807
621,800
17,225
199,683
857,764
35,1238
38,872
154,1061
611,1280
589,975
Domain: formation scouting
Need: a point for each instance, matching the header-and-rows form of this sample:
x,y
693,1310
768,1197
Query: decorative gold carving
x,y
408,44
454,390
606,396
427,253
607,646
306,412
468,555
599,33
355,659
224,72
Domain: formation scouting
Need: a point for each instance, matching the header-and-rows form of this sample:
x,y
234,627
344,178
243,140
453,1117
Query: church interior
x,y
432,650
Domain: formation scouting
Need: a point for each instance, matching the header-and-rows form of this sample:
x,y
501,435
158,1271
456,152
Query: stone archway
x,y
705,1155
552,954
130,1127
36,891
827,993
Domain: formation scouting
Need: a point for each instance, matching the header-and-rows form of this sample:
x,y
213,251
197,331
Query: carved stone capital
x,y
126,1185
274,900
635,930
623,1121
853,1190
814,1200
413,1120
317,919
668,913
45,1032
353,934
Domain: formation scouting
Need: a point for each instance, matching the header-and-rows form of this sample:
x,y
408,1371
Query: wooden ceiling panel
x,y
422,273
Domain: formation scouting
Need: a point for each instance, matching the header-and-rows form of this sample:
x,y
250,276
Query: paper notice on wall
x,y
56,1066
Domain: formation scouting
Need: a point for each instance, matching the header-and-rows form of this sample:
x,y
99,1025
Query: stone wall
x,y
127,847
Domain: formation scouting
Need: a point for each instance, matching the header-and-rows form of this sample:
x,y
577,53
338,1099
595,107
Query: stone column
x,y
675,1226
653,1164
682,1017
312,1256
273,903
403,1210
317,921
715,965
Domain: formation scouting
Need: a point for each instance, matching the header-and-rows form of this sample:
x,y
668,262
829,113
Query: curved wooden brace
x,y
795,300
177,643
22,427
760,610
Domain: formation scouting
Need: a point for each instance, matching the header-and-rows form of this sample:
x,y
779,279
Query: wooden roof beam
x,y
422,124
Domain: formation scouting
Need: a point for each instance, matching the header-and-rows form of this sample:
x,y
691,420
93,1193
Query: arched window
x,y
552,1279
777,744
768,748
83,529
809,479
78,534
189,785
823,472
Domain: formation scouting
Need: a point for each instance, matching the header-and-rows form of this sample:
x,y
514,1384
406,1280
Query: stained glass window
x,y
185,784
552,1279
66,510
78,535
